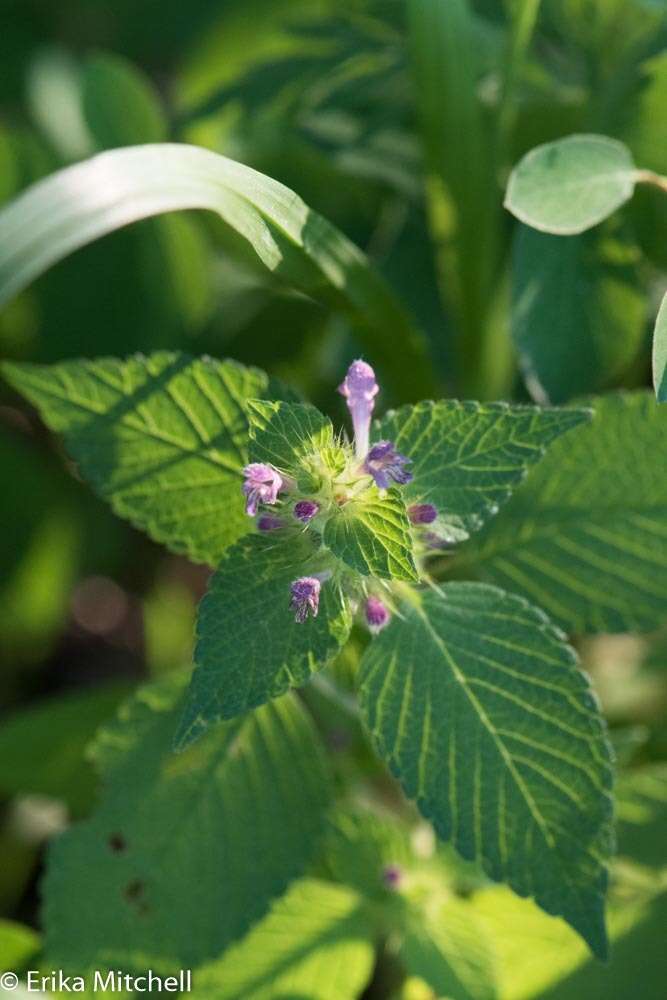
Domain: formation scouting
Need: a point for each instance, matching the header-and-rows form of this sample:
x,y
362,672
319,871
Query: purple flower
x,y
305,597
422,513
436,542
269,522
377,614
392,876
384,464
262,485
305,510
360,389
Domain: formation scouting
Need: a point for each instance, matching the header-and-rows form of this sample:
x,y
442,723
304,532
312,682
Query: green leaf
x,y
42,747
121,889
449,950
19,945
660,353
294,437
468,457
567,186
372,535
577,314
641,809
478,706
249,647
585,536
163,439
90,199
315,944
119,103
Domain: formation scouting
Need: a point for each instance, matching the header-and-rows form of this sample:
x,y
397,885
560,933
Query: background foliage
x,y
400,123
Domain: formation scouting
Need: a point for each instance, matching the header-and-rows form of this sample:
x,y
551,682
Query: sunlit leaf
x,y
372,535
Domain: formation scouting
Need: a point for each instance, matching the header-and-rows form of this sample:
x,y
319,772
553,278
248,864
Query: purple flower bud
x,y
305,510
262,485
360,389
377,614
384,464
392,876
269,522
422,513
305,597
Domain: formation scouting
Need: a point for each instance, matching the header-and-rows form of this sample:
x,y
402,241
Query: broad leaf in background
x,y
585,537
249,647
477,705
641,807
660,353
294,437
316,943
163,439
372,535
167,826
119,103
567,186
84,202
19,945
468,457
42,747
577,313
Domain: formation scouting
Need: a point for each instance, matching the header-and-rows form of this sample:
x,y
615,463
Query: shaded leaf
x,y
162,438
249,647
478,706
315,944
585,536
660,353
567,186
372,535
119,103
468,457
166,825
577,314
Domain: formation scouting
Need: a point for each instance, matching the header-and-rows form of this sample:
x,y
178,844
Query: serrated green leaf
x,y
585,536
119,103
294,437
249,647
372,535
315,944
468,457
163,438
121,889
478,706
660,353
113,189
578,315
567,186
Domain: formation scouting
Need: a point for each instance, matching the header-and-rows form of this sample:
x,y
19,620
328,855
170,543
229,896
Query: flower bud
x,y
377,614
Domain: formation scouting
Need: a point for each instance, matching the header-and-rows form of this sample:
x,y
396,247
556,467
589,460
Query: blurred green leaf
x,y
119,103
578,312
466,458
567,186
315,944
18,945
42,746
660,353
166,825
517,769
249,647
641,796
163,439
584,537
86,201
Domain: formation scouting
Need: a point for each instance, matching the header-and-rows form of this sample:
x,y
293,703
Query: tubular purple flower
x,y
262,485
422,513
305,510
305,597
385,464
377,614
269,522
360,389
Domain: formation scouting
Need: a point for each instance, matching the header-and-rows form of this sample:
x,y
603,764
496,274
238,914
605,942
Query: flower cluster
x,y
379,464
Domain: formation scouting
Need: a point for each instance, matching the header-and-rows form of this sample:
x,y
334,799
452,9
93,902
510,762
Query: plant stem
x,y
650,177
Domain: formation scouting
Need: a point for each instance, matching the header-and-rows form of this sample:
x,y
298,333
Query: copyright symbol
x,y
9,981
